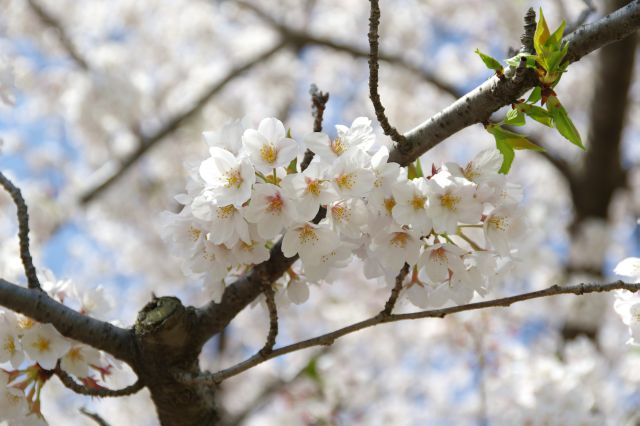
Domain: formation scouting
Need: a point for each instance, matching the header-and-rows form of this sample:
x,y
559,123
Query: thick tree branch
x,y
478,105
81,389
174,123
328,338
23,231
39,306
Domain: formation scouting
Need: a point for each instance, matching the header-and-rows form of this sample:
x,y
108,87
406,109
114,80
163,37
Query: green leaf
x,y
554,40
412,173
515,117
562,122
515,140
507,156
490,62
289,133
535,96
553,61
541,35
539,114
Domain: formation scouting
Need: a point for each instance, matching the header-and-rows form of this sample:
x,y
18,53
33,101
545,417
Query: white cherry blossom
x,y
268,147
10,346
229,137
451,200
502,227
351,175
270,209
396,246
44,345
309,190
411,203
357,137
309,241
79,359
229,178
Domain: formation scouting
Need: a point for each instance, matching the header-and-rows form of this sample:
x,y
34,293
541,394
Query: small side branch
x,y
395,292
51,21
94,416
23,231
374,22
318,104
328,338
81,389
529,31
269,295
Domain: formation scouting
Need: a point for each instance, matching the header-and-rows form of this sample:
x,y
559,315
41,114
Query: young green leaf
x,y
513,139
554,40
541,35
515,117
515,61
490,62
562,122
507,155
535,96
292,167
539,114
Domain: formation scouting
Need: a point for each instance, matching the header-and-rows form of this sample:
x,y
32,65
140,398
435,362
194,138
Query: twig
x,y
273,321
582,18
51,21
174,123
318,103
395,292
94,416
23,231
374,22
81,389
328,338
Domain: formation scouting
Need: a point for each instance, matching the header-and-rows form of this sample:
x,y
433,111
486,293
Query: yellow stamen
x,y
195,233
9,345
226,212
345,181
389,204
337,146
313,187
42,344
307,234
233,179
268,153
449,201
418,202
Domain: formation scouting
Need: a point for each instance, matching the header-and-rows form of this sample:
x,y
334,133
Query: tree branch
x,y
23,231
301,38
395,292
94,416
318,103
81,389
374,23
478,105
269,295
39,306
174,123
474,107
328,338
51,21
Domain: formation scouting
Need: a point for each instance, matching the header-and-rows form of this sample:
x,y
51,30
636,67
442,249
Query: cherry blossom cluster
x,y
33,350
451,227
